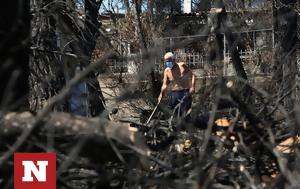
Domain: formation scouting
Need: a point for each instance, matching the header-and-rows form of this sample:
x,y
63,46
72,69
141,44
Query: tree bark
x,y
142,36
46,67
73,139
64,123
298,51
91,32
285,63
62,44
221,26
127,5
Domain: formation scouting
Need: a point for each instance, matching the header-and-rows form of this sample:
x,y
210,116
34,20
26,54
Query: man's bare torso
x,y
180,77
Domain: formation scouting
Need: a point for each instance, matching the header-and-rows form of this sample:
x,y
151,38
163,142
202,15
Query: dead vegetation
x,y
240,133
233,146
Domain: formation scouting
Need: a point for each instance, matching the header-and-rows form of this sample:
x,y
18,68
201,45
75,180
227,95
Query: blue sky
x,y
117,5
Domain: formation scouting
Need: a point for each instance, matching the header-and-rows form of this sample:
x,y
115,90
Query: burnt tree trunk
x,y
46,68
62,43
82,45
141,32
14,54
155,83
127,5
91,33
285,63
216,47
221,23
232,41
298,51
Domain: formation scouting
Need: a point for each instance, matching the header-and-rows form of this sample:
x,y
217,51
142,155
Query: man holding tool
x,y
182,82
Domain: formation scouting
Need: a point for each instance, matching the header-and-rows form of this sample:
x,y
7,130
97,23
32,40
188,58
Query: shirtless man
x,y
182,82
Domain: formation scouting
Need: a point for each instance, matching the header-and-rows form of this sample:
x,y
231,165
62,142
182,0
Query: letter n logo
x,y
34,171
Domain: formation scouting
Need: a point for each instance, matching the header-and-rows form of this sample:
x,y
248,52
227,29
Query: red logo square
x,y
34,171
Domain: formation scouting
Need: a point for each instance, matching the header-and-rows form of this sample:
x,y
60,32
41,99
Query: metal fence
x,y
117,66
194,61
244,55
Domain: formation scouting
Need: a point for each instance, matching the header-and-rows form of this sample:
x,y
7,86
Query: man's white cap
x,y
169,55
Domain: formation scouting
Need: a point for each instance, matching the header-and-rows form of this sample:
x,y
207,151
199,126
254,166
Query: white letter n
x,y
30,167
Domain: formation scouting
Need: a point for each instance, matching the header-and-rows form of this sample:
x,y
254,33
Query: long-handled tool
x,y
152,114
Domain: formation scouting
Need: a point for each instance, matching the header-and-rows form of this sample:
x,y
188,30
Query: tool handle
x,y
149,119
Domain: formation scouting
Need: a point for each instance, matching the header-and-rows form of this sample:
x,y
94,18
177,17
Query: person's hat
x,y
169,55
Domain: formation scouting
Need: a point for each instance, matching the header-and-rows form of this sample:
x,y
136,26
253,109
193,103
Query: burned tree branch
x,y
70,124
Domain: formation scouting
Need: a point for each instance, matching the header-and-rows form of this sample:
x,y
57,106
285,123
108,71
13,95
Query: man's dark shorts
x,y
184,96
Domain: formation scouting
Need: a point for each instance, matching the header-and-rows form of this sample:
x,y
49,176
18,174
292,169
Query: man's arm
x,y
192,89
164,86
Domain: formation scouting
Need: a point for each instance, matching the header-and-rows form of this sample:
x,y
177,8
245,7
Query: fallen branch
x,y
67,124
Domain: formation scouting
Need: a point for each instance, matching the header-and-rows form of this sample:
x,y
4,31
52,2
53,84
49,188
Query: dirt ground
x,y
131,97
